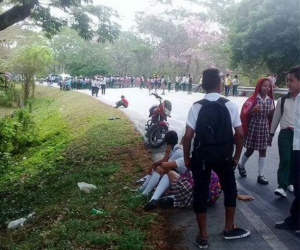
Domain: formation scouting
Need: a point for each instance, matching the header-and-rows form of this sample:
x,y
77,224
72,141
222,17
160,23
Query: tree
x,y
88,20
29,62
64,45
266,34
130,55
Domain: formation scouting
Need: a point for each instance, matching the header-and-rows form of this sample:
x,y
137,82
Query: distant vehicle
x,y
54,78
64,76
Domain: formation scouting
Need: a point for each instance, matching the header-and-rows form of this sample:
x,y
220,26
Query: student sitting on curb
x,y
174,151
123,102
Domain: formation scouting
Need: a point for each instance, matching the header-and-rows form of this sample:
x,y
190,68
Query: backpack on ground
x,y
214,136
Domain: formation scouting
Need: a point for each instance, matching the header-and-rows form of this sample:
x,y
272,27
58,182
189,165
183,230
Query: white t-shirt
x,y
232,108
296,142
235,81
176,155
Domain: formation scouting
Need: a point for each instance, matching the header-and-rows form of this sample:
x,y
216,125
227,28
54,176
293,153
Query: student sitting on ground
x,y
182,188
174,151
123,102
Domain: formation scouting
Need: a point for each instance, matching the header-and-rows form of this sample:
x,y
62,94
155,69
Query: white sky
x,y
128,8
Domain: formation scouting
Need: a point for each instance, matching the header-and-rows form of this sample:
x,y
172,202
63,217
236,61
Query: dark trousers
x,y
176,86
120,103
227,90
202,175
190,87
95,91
285,147
295,208
103,87
234,90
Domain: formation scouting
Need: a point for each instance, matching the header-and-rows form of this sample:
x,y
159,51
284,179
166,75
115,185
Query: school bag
x,y
214,136
283,101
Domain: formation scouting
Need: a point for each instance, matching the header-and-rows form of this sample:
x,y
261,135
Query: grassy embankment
x,y
76,142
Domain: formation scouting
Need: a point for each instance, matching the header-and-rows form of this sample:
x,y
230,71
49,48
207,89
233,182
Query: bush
x,y
17,132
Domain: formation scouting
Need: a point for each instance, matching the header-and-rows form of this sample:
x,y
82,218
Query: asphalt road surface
x,y
259,215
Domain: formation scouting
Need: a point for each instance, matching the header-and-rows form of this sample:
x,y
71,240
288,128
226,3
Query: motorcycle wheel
x,y
156,136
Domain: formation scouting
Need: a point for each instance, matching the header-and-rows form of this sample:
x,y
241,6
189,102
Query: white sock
x,y
243,161
161,188
152,183
261,165
148,177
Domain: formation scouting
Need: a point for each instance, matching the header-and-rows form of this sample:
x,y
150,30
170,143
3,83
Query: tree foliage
x,y
88,20
266,34
29,62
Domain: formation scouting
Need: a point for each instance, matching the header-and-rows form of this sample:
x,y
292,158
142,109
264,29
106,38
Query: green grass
x,y
76,142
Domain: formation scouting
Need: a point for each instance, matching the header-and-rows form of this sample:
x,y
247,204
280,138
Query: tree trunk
x,y
16,14
33,88
27,86
187,69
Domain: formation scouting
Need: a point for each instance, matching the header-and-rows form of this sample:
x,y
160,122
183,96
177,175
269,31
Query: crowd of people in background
x,y
153,83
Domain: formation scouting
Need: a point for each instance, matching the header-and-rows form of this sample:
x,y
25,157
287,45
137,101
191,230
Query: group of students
x,y
230,84
181,82
96,84
197,177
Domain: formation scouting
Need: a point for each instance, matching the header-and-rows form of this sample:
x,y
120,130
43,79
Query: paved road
x,y
259,215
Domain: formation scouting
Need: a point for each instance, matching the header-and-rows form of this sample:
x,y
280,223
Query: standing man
x,y
285,115
293,221
190,84
184,82
227,84
235,82
103,85
169,83
142,80
177,80
212,120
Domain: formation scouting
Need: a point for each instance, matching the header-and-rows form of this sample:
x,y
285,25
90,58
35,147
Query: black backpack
x,y
287,96
214,136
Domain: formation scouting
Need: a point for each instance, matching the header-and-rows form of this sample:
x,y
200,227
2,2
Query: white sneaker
x,y
141,180
280,192
291,188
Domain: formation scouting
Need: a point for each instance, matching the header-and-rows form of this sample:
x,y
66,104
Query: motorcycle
x,y
157,126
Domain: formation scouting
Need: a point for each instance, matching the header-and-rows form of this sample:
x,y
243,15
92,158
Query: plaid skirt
x,y
258,130
183,190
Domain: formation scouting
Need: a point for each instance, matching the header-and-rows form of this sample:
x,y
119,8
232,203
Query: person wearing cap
x,y
123,102
174,151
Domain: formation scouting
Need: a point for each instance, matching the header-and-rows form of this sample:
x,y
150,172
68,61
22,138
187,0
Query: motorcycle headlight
x,y
167,111
167,107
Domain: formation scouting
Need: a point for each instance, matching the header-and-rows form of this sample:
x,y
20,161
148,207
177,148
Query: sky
x,y
128,8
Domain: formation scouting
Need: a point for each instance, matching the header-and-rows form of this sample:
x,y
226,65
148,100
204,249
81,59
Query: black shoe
x,y
166,202
242,171
201,243
297,233
262,180
151,205
286,224
236,233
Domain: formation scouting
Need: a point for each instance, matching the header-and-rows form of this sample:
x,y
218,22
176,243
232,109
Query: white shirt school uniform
x,y
296,142
232,108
